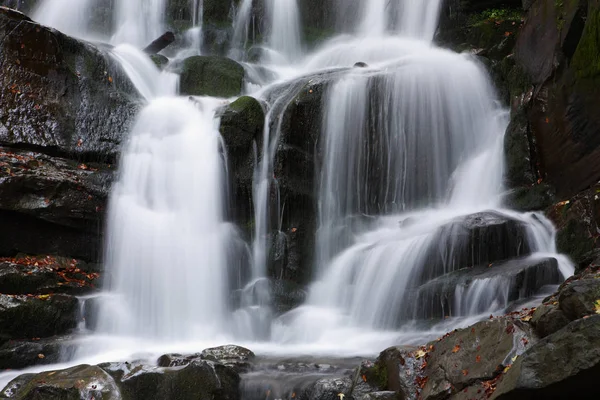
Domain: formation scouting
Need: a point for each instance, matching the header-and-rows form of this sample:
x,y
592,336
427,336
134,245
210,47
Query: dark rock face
x,y
576,349
66,196
24,317
20,354
556,49
475,240
211,76
60,95
238,358
198,380
452,362
547,319
577,221
517,279
78,383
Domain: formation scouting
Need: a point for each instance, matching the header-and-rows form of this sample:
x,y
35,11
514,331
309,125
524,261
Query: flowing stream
x,y
412,143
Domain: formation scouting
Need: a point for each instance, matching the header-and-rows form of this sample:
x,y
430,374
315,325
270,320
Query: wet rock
x,y
23,317
62,95
578,298
504,283
577,221
83,382
530,198
475,239
64,199
236,357
198,380
211,76
45,275
398,369
19,354
91,311
551,368
520,152
10,391
159,60
547,319
329,389
477,353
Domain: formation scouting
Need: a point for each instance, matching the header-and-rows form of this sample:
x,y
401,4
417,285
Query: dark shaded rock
x,y
19,354
211,76
287,295
577,222
59,94
452,362
14,386
23,317
45,275
91,310
381,396
520,152
531,198
578,298
398,369
198,380
548,319
551,368
236,357
475,239
83,382
505,283
51,205
160,60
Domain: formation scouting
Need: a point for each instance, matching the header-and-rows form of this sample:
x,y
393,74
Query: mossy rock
x,y
574,239
530,198
159,60
211,76
242,122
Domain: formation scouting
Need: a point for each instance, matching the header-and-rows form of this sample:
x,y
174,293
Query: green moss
x,y
586,60
574,240
314,36
159,60
211,76
495,15
381,375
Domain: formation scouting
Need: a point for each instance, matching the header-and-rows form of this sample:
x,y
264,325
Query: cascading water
x,y
285,44
411,162
67,16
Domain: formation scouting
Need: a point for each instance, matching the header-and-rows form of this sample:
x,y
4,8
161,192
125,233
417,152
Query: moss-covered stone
x,y
575,240
159,60
211,76
586,60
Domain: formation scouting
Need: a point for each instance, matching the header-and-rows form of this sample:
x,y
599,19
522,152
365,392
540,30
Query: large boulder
x,y
61,95
236,357
27,317
51,205
551,368
198,380
477,239
453,294
557,50
19,354
471,355
211,76
46,275
83,382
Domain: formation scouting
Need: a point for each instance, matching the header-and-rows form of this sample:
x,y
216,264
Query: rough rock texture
x,y
575,348
18,354
478,353
211,76
59,94
198,380
475,240
23,317
236,357
83,382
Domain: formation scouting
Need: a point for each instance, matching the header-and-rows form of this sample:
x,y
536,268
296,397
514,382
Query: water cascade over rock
x,y
383,150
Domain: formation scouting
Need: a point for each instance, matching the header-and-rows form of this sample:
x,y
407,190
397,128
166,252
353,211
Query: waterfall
x,y
412,239
284,43
70,17
167,239
138,22
241,28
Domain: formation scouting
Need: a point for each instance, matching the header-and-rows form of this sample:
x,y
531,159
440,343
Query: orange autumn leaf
x,y
456,349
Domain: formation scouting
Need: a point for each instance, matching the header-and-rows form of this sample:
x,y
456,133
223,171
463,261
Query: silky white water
x,y
411,144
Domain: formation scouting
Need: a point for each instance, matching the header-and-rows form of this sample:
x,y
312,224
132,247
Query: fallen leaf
x,y
40,356
478,359
597,306
420,354
465,372
456,349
